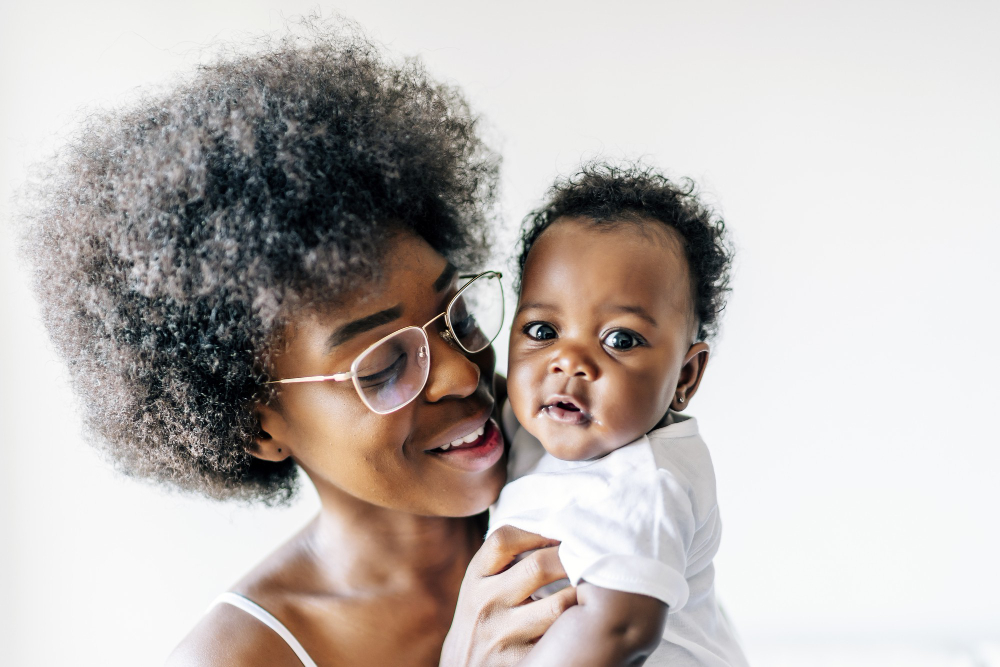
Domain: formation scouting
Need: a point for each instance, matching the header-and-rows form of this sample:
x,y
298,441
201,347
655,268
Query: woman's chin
x,y
477,498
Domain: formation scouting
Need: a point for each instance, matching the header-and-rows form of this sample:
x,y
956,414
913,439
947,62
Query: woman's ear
x,y
271,442
692,371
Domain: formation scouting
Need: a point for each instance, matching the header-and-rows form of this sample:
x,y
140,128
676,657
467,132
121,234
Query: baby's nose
x,y
574,361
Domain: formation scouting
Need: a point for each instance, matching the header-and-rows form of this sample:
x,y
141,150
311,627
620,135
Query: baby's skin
x,y
600,350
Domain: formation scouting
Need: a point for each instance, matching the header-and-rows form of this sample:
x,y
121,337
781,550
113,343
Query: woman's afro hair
x,y
170,240
610,194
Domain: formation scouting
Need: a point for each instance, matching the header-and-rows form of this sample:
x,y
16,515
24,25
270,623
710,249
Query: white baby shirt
x,y
642,519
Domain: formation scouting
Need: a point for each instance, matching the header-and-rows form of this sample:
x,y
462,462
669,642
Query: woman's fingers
x,y
537,569
534,618
494,625
500,549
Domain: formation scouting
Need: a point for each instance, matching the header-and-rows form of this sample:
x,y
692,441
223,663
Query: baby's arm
x,y
605,629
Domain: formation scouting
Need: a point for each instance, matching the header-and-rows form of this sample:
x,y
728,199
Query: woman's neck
x,y
361,548
362,580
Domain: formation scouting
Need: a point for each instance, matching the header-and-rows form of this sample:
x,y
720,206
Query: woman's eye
x,y
464,326
373,377
540,331
622,340
462,320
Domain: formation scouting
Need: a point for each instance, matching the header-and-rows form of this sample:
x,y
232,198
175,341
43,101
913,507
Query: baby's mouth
x,y
566,411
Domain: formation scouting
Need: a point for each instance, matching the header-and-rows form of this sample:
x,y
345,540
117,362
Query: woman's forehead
x,y
409,271
412,278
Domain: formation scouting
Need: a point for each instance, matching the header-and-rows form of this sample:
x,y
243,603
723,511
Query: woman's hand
x,y
496,623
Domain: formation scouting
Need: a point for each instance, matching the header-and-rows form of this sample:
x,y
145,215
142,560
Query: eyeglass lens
x,y
394,372
477,314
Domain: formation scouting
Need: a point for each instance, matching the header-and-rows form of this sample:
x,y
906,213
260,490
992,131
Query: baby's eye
x,y
622,340
540,331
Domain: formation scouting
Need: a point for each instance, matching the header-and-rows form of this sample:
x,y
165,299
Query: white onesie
x,y
642,519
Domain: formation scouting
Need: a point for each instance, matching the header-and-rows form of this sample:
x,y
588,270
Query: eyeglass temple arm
x,y
339,377
343,377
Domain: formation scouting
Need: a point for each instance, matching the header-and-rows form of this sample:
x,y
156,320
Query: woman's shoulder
x,y
229,636
235,631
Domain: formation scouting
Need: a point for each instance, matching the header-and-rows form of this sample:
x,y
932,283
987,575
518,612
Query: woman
x,y
269,268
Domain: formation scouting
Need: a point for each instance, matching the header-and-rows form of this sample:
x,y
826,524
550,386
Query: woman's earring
x,y
680,399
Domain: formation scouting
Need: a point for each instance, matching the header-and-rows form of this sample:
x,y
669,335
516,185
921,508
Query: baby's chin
x,y
576,443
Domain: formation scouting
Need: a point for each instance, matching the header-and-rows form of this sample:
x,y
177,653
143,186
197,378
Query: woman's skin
x,y
376,577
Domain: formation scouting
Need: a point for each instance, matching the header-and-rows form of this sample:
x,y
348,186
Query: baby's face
x,y
602,336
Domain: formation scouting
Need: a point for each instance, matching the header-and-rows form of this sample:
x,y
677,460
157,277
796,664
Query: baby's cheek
x,y
519,391
637,414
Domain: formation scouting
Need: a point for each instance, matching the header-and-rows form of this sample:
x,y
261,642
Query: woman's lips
x,y
480,454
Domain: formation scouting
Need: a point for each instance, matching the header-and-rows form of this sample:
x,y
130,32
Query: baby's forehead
x,y
627,232
594,260
666,238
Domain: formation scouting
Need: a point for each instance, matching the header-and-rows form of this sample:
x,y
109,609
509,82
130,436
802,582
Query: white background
x,y
854,150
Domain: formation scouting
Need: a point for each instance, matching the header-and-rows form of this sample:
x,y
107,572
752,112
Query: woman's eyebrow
x,y
446,277
363,324
369,322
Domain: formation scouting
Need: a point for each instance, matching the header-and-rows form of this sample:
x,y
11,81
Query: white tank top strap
x,y
261,614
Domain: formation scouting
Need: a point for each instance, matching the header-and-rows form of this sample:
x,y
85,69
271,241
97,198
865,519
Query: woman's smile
x,y
477,451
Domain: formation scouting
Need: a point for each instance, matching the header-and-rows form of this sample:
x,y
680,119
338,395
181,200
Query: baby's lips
x,y
567,399
562,415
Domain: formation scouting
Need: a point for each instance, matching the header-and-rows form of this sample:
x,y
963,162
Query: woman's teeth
x,y
457,442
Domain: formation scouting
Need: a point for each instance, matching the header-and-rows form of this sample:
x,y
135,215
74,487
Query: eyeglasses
x,y
393,371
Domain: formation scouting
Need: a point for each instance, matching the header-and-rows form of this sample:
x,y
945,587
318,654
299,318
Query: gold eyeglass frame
x,y
448,335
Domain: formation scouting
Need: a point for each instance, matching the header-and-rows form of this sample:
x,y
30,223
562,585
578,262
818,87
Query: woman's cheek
x,y
487,362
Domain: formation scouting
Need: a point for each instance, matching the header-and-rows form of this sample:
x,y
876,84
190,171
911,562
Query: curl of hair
x,y
609,194
170,240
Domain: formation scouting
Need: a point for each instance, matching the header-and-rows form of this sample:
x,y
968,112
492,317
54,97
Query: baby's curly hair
x,y
171,240
611,194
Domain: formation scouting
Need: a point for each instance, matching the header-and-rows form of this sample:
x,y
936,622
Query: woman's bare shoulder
x,y
228,636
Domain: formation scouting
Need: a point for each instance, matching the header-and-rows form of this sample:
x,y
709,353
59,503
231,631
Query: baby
x,y
623,276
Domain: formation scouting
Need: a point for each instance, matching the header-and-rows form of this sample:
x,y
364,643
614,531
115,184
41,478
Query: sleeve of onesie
x,y
624,524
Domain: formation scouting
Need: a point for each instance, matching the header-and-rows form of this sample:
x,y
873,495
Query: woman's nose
x,y
452,374
573,360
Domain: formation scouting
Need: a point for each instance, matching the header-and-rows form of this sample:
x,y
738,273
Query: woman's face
x,y
392,460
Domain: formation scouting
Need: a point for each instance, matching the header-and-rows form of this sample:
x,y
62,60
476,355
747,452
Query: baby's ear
x,y
270,444
692,371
